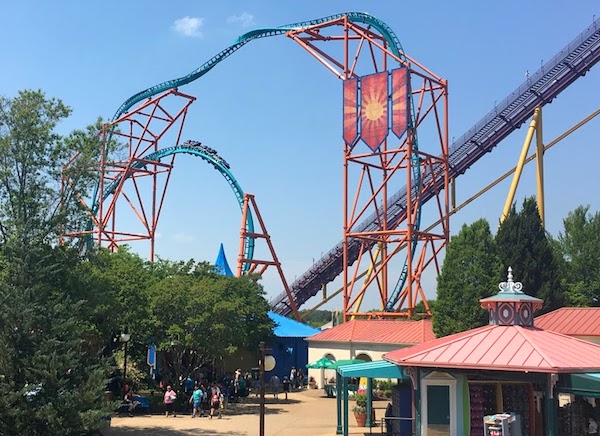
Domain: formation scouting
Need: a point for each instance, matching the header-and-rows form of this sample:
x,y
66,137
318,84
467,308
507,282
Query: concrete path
x,y
305,412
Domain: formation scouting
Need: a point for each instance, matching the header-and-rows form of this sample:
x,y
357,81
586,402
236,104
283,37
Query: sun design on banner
x,y
374,109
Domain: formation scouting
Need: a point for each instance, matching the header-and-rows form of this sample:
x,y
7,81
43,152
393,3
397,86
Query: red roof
x,y
572,321
503,348
379,331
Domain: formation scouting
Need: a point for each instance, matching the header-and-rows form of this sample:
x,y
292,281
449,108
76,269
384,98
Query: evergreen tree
x,y
51,375
579,247
524,245
471,271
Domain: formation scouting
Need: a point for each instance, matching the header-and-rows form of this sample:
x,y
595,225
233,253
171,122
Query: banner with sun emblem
x,y
399,101
374,109
350,111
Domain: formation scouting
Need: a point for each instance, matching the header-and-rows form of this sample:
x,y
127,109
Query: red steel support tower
x,y
388,96
128,183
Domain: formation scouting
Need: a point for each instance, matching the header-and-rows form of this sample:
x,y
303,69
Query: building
x,y
364,339
579,322
289,348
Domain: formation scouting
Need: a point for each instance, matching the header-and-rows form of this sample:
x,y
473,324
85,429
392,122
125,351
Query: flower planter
x,y
361,418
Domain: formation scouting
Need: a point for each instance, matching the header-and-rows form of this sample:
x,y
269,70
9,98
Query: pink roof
x,y
572,321
379,331
503,348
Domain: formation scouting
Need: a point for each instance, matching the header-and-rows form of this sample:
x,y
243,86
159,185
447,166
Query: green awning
x,y
587,385
323,362
377,369
344,362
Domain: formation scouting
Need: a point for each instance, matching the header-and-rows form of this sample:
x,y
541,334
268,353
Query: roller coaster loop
x,y
387,34
209,155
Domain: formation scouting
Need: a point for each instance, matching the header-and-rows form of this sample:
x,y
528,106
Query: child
x,y
215,402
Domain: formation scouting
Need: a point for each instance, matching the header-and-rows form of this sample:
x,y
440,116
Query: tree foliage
x,y
52,372
524,245
579,247
316,318
204,317
470,272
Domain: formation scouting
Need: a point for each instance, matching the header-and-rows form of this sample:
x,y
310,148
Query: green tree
x,y
52,377
524,245
471,271
316,318
203,317
579,247
32,158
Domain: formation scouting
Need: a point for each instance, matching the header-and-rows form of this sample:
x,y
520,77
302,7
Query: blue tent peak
x,y
221,263
289,328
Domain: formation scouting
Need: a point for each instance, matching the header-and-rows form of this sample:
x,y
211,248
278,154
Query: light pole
x,y
267,363
125,337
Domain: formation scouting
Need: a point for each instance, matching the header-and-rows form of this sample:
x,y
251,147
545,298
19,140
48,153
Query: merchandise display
x,y
502,424
483,402
572,420
517,398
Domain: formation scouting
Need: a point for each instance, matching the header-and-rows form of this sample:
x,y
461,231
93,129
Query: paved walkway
x,y
305,412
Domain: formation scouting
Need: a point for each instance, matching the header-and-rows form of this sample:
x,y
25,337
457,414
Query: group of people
x,y
203,397
295,380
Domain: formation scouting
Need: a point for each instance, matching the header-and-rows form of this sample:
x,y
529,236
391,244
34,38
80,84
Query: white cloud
x,y
182,238
245,19
188,26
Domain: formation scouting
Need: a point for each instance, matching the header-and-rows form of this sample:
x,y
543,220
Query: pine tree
x,y
524,245
471,271
579,247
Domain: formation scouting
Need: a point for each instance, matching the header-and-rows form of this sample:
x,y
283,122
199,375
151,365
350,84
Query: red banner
x,y
399,101
374,109
350,111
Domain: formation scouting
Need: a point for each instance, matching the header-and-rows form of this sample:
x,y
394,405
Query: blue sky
x,y
274,113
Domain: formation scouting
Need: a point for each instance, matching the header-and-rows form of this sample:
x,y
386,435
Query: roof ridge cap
x,y
522,331
471,333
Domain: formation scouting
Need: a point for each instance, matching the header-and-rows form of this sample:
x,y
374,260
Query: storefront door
x,y
438,410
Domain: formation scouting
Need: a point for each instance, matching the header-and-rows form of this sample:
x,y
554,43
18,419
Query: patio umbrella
x,y
323,362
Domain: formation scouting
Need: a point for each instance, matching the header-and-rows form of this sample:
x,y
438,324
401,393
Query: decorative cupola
x,y
511,306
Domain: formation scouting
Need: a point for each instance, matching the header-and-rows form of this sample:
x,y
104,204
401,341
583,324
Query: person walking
x,y
169,400
286,386
275,385
215,401
293,377
196,401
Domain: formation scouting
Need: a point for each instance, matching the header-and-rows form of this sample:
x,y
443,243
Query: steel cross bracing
x,y
547,83
114,174
368,174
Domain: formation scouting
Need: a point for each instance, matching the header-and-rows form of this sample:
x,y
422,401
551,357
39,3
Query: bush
x,y
385,385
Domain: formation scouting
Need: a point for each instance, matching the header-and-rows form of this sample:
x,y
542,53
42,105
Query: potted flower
x,y
312,383
360,409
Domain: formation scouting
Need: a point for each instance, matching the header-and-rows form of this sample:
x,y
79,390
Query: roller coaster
x,y
389,211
